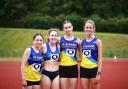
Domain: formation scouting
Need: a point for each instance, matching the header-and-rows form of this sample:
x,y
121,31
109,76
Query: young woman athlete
x,y
68,70
32,63
90,67
51,50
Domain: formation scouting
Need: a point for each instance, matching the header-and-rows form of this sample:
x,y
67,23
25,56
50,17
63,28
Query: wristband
x,y
98,73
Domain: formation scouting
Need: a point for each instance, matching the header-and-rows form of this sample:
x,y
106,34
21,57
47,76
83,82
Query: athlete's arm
x,y
24,61
79,51
59,53
44,48
99,44
58,42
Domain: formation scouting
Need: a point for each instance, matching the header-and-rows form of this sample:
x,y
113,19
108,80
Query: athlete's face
x,y
53,37
38,41
68,28
89,28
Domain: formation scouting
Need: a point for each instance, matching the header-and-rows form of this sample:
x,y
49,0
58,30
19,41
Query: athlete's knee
x,y
96,82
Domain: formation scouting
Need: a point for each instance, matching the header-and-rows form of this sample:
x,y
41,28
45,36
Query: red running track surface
x,y
114,75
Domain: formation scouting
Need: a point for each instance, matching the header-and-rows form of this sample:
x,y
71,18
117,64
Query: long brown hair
x,y
66,21
50,30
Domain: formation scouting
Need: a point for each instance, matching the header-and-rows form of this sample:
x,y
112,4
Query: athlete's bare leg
x,y
85,83
73,83
55,83
63,83
46,82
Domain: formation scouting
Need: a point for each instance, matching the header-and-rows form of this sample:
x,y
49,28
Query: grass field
x,y
13,41
10,59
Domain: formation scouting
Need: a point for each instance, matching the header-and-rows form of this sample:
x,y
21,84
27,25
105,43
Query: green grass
x,y
10,58
13,41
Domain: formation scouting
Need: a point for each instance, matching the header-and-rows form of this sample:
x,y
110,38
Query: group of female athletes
x,y
54,65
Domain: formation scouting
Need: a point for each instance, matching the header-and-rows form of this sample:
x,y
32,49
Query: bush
x,y
115,25
48,21
101,24
37,22
123,25
77,21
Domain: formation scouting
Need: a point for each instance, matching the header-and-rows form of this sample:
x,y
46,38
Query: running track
x,y
114,75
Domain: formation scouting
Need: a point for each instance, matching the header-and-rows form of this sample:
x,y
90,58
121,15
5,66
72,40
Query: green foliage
x,y
49,21
109,15
10,11
37,22
114,25
77,21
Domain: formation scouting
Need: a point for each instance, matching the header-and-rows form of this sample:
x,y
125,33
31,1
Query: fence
x,y
119,53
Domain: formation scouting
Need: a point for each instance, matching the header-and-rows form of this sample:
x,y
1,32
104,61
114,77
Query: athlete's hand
x,y
98,78
24,83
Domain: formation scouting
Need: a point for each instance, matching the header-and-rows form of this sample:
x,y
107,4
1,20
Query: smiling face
x,y
89,27
68,28
38,41
53,35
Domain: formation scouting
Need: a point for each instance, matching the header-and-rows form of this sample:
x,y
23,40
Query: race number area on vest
x,y
36,67
54,57
86,53
70,52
